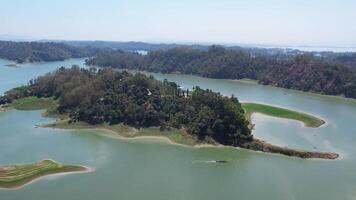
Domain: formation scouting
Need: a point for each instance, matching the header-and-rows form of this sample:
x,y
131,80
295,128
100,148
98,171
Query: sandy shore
x,y
114,134
3,109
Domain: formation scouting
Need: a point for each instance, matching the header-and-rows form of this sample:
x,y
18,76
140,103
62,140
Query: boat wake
x,y
210,161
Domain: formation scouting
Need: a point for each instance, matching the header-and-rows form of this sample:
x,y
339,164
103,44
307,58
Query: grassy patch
x,y
13,176
308,120
34,103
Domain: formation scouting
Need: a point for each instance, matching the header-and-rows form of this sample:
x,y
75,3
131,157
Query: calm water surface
x,y
144,169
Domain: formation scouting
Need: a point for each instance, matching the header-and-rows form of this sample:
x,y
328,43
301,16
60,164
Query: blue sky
x,y
283,22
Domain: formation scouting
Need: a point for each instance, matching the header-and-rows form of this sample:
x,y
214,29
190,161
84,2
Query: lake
x,y
153,170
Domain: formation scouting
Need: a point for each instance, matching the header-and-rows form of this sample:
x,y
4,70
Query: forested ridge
x,y
109,96
301,72
43,51
307,73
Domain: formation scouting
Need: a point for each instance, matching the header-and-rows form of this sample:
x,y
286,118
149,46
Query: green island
x,y
134,105
15,176
307,120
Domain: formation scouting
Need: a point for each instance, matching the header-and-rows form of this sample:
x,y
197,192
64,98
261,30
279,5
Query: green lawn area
x,y
13,176
33,103
308,120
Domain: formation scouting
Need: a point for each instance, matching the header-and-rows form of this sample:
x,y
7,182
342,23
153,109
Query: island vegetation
x,y
15,176
306,119
136,105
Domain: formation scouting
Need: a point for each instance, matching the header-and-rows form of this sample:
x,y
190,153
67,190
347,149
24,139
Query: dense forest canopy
x,y
216,62
346,59
300,72
109,96
43,51
307,73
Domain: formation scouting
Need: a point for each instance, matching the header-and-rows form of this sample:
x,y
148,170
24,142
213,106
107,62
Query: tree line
x,y
304,72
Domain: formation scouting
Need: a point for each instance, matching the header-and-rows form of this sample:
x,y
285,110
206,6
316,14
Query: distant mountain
x,y
125,46
143,46
253,51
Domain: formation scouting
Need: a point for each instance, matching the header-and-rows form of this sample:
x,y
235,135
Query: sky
x,y
264,22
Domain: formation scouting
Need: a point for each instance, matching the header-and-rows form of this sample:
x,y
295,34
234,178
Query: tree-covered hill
x,y
43,51
216,62
310,74
108,96
302,72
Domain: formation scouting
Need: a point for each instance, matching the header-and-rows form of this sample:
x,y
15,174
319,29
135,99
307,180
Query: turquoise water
x,y
148,169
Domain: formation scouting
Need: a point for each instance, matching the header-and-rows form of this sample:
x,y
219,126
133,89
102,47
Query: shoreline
x,y
4,108
111,133
166,140
244,81
256,145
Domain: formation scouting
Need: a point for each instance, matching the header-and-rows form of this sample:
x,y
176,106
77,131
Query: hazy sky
x,y
292,22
